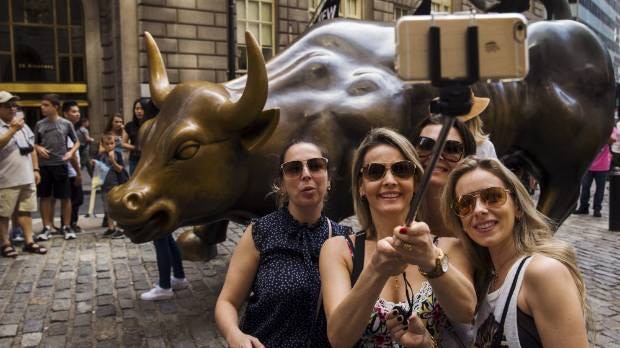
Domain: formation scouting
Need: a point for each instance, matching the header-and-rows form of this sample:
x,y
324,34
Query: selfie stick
x,y
454,100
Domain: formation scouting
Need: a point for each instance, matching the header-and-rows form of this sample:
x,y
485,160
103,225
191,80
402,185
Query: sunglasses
x,y
376,171
9,105
492,197
452,151
293,169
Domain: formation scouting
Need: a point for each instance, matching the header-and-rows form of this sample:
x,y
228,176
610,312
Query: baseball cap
x,y
6,96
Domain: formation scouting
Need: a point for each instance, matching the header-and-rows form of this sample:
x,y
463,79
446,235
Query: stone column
x,y
129,56
92,40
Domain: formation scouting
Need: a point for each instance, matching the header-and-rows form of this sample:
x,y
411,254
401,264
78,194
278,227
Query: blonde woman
x,y
530,290
383,287
484,146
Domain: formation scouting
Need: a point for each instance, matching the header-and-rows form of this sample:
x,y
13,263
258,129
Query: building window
x,y
399,12
42,41
255,16
348,8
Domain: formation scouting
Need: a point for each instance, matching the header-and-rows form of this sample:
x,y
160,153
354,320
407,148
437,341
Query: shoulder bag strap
x,y
497,338
358,256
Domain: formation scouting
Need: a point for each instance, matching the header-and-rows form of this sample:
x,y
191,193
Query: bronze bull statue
x,y
210,155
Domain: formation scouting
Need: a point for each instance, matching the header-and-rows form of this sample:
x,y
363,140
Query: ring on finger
x,y
407,246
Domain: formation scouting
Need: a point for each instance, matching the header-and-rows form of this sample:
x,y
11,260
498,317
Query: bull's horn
x,y
158,79
240,114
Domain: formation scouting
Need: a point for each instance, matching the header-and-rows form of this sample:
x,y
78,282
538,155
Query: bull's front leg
x,y
200,242
558,197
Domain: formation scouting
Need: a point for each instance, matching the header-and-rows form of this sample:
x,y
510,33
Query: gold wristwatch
x,y
441,266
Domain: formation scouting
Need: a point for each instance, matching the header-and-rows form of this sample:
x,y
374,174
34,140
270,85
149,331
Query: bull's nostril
x,y
133,201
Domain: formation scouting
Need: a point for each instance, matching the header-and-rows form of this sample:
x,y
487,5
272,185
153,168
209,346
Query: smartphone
x,y
502,46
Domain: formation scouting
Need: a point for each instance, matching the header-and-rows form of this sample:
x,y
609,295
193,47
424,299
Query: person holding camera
x,y
276,261
19,173
392,285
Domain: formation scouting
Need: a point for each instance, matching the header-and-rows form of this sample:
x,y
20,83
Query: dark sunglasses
x,y
293,169
9,105
376,171
452,151
492,197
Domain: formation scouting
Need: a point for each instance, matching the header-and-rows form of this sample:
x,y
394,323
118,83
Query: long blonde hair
x,y
376,137
532,230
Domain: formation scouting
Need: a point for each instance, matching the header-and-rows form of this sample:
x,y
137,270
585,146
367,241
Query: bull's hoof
x,y
193,248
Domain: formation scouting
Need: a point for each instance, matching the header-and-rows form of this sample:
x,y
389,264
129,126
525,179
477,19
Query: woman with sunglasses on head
x,y
530,289
459,144
392,274
276,261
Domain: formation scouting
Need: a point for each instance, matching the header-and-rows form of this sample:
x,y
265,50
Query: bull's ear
x,y
261,129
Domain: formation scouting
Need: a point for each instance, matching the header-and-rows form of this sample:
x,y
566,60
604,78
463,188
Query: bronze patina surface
x,y
211,154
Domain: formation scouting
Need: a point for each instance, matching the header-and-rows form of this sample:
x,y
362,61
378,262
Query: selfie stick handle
x,y
454,100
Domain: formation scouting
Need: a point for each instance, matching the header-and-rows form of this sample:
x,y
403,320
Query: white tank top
x,y
490,312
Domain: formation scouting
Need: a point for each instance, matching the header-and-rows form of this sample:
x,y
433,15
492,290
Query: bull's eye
x,y
187,150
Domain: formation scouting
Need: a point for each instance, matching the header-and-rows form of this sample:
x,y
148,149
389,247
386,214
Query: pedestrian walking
x,y
51,134
598,173
19,173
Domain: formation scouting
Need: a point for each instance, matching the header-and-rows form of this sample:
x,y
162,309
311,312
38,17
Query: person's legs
x,y
177,262
584,199
77,198
164,261
163,289
4,231
600,178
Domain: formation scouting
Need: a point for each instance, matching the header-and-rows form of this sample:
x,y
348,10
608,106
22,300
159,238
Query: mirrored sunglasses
x,y
376,171
293,169
492,197
452,151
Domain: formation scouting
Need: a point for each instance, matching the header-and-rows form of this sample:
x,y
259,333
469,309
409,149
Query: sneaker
x,y
108,232
581,211
157,293
45,234
68,232
76,228
178,283
17,235
597,213
117,234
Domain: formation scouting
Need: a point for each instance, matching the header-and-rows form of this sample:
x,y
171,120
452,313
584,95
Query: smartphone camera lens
x,y
519,32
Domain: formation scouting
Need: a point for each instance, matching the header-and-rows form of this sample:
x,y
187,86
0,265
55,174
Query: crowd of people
x,y
478,265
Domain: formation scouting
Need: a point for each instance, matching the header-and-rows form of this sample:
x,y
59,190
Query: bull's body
x,y
333,85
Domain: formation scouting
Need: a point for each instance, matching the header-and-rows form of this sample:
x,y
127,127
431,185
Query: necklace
x,y
499,272
396,283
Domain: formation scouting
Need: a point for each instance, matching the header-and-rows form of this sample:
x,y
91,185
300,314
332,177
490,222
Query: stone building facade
x,y
193,36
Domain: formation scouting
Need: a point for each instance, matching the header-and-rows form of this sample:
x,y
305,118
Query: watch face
x,y
444,263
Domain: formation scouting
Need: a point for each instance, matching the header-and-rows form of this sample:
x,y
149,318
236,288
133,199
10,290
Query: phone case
x,y
502,46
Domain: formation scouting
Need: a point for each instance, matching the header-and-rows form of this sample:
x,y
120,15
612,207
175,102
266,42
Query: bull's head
x,y
203,134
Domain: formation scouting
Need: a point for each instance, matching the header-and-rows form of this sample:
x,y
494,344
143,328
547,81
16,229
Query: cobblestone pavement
x,y
84,293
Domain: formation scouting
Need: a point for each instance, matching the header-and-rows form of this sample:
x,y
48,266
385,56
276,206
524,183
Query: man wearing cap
x,y
51,134
19,173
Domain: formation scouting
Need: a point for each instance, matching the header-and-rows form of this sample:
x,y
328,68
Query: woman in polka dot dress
x,y
275,263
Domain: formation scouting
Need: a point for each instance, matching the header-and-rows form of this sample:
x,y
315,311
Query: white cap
x,y
6,96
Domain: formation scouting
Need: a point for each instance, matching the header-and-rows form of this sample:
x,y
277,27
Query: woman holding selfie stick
x,y
276,261
532,293
418,288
